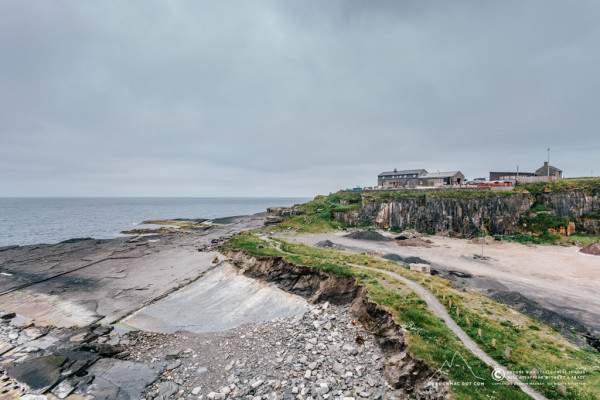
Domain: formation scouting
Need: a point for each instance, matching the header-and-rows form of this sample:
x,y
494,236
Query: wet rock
x,y
38,373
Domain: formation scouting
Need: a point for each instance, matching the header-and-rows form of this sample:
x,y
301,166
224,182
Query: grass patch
x,y
540,208
580,240
590,216
317,214
123,324
589,186
541,222
533,344
577,239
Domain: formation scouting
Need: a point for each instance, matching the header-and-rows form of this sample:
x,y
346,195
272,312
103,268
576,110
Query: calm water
x,y
51,220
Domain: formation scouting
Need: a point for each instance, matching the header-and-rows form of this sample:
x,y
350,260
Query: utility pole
x,y
482,238
548,161
517,173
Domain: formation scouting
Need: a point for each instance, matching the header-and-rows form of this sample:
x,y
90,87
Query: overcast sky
x,y
290,98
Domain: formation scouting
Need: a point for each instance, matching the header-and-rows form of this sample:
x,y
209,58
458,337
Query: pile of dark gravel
x,y
393,257
408,260
368,235
326,243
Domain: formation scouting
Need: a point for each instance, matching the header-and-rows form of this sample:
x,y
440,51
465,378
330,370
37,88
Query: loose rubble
x,y
50,363
592,249
322,354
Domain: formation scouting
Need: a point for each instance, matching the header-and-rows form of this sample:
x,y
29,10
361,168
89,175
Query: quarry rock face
x,y
570,204
575,204
499,214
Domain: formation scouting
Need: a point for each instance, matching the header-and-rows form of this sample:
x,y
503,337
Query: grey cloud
x,y
289,98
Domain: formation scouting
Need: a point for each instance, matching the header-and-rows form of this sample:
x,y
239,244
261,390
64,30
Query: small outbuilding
x,y
549,170
442,178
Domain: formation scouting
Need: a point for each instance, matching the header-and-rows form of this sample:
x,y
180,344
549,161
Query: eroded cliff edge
x,y
402,370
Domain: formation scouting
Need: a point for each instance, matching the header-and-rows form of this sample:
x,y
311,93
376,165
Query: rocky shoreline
x,y
320,353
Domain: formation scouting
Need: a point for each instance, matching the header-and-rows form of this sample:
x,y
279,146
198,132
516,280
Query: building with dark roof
x,y
404,178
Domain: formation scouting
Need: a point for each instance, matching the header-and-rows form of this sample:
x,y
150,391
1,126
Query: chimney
x,y
545,163
395,170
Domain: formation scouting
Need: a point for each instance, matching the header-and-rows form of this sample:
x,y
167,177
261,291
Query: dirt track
x,y
559,278
440,311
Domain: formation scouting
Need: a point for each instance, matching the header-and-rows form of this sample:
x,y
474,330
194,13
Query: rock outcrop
x,y
499,214
584,207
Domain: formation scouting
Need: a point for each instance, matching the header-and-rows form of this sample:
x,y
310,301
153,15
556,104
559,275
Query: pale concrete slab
x,y
220,300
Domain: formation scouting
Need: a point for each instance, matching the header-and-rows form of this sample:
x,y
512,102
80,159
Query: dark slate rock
x,y
38,373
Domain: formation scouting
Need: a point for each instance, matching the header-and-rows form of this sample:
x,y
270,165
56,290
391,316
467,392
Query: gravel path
x,y
440,311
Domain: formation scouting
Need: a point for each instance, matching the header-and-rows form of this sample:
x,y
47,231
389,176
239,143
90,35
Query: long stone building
x,y
404,178
418,177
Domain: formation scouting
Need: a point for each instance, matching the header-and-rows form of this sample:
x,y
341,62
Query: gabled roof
x,y
447,174
511,173
552,167
404,172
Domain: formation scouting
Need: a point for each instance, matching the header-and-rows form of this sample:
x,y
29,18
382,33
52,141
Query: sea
x,y
37,220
